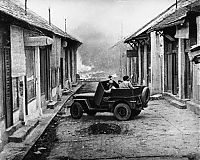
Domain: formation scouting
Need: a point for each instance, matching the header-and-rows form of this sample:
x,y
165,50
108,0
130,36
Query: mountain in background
x,y
96,51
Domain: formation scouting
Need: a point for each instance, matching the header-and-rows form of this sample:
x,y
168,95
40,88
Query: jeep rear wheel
x,y
76,110
122,111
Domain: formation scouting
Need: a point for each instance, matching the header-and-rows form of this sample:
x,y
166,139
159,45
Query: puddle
x,y
101,128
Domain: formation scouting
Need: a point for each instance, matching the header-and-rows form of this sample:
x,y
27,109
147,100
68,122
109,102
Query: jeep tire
x,y
122,112
76,110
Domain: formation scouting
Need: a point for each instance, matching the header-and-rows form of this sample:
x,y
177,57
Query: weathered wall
x,y
156,63
2,134
196,69
55,62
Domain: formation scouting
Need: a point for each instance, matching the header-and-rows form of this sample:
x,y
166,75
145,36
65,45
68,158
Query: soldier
x,y
126,83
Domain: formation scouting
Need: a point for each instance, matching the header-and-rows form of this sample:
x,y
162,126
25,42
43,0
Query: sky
x,y
114,18
99,24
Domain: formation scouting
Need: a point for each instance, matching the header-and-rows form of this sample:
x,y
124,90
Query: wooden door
x,y
61,72
45,72
172,67
174,73
169,72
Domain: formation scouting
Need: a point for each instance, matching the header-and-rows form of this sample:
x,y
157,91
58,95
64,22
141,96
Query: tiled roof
x,y
172,19
149,24
169,17
178,15
16,9
60,32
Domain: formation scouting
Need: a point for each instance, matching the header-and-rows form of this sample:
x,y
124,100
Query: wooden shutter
x,y
8,87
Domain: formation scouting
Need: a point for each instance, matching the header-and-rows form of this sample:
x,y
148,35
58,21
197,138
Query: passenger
x,y
126,83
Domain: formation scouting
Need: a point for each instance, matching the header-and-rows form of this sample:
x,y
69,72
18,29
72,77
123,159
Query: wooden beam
x,y
38,88
38,41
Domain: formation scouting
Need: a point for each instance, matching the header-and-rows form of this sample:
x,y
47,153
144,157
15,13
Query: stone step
x,y
176,103
21,134
194,107
52,104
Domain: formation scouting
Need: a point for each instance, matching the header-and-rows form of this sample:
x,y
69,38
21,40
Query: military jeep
x,y
124,103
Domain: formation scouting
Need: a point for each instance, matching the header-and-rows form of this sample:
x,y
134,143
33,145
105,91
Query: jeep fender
x,y
85,104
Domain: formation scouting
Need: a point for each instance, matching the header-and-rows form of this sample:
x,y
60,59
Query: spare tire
x,y
145,97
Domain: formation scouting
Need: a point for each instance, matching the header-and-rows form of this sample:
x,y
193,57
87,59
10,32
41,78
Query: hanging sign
x,y
132,53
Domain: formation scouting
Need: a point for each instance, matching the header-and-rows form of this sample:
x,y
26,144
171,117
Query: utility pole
x,y
25,7
65,25
49,16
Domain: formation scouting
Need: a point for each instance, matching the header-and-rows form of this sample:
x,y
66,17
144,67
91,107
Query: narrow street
x,y
148,108
161,131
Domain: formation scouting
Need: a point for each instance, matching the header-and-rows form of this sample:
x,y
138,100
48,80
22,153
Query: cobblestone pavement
x,y
161,131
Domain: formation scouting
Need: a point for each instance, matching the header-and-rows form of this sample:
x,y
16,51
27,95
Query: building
x,y
172,50
37,61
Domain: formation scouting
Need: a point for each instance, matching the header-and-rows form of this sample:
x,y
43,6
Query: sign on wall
x,y
132,53
18,59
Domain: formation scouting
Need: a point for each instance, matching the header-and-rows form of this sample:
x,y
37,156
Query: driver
x,y
110,86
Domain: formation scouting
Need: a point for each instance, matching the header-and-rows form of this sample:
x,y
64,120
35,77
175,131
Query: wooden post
x,y
58,85
145,64
22,92
139,65
129,66
38,89
162,59
73,66
69,67
156,72
181,68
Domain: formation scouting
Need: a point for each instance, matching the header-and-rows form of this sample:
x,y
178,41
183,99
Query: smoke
x,y
81,67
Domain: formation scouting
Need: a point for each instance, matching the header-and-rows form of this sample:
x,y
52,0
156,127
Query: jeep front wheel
x,y
122,111
76,110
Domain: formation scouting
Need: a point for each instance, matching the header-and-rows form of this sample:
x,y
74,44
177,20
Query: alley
x,y
160,132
